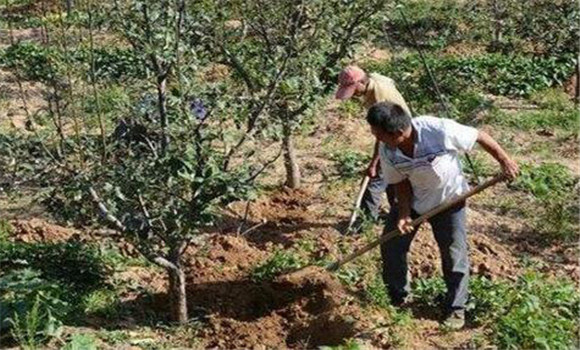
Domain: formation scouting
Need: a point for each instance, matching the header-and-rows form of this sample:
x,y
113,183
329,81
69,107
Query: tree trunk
x,y
577,90
177,295
290,163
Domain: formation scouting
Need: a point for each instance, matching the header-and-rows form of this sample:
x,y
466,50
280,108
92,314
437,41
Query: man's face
x,y
361,88
391,139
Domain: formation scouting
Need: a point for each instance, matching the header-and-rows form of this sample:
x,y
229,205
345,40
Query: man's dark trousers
x,y
450,234
373,196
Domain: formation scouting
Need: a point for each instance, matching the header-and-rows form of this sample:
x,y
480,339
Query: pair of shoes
x,y
455,320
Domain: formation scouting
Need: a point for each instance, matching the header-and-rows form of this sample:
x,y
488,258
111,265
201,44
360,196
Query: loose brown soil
x,y
38,230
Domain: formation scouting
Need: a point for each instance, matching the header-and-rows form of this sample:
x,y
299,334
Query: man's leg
x,y
394,257
372,198
450,234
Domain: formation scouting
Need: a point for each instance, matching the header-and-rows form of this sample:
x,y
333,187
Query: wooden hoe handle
x,y
421,219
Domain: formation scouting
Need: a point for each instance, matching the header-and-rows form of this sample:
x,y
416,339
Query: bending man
x,y
419,157
372,88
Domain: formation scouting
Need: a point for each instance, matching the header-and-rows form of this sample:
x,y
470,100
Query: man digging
x,y
419,157
372,88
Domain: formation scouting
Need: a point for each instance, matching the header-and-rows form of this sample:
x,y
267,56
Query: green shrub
x,y
281,261
552,185
31,60
102,302
72,263
547,180
537,26
428,290
31,307
508,75
534,313
41,63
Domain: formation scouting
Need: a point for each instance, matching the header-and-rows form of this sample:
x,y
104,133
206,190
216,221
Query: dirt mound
x,y
307,308
286,205
37,230
229,258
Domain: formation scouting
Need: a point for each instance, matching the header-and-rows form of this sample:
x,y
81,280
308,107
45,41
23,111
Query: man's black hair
x,y
389,117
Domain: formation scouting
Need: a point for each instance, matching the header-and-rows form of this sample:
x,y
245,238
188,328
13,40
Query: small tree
x,y
174,157
289,52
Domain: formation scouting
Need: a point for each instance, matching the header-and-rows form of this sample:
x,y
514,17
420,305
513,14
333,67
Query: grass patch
x,y
537,119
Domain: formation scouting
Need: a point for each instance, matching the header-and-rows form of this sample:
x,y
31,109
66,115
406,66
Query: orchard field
x,y
164,163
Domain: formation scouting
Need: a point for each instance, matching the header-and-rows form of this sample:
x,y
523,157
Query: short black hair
x,y
389,117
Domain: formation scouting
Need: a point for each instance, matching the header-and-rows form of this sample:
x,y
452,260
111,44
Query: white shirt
x,y
434,170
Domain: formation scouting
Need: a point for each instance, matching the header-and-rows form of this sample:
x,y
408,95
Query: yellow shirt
x,y
383,89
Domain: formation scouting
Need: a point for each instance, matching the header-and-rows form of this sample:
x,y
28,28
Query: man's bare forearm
x,y
491,146
376,157
509,167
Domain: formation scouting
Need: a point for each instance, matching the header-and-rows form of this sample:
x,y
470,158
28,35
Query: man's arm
x,y
403,193
509,167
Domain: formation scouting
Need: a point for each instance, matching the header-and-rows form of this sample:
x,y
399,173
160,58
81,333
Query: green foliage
x,y
537,26
102,302
482,166
508,75
350,163
553,99
349,275
435,24
80,341
31,307
376,292
545,180
351,108
5,230
534,313
45,63
281,261
112,63
428,290
31,60
552,185
74,263
42,285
